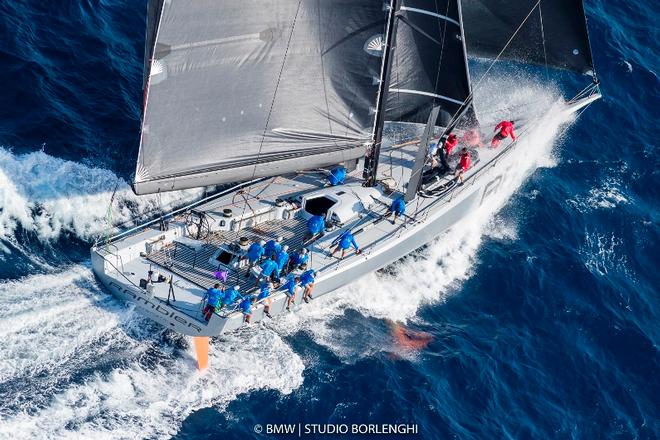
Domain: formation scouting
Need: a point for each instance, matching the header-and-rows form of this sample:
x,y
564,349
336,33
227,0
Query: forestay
x,y
252,88
553,32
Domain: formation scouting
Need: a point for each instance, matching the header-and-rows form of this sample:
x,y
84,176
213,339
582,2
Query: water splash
x,y
433,273
48,197
79,364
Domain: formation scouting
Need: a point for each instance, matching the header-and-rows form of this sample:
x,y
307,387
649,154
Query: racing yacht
x,y
262,99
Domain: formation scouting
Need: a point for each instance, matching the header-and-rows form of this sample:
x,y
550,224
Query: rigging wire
x,y
545,55
108,216
483,76
272,103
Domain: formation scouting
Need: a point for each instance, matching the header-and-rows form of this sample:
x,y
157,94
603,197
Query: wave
x,y
95,369
435,272
77,363
48,197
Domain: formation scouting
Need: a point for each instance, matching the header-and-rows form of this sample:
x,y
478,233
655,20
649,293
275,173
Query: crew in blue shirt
x,y
264,294
231,295
344,242
272,247
307,283
290,289
316,226
282,258
246,308
337,176
254,254
212,298
398,208
298,260
268,270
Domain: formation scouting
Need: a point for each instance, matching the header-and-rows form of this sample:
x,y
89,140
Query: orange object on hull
x,y
202,351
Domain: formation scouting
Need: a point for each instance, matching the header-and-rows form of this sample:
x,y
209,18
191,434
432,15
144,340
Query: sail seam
x,y
433,14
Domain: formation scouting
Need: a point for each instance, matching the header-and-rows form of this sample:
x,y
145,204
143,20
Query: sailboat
x,y
281,106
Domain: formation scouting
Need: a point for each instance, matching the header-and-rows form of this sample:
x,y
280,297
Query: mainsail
x,y
429,65
252,88
548,32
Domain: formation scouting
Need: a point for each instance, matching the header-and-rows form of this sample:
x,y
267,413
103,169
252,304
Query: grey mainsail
x,y
252,88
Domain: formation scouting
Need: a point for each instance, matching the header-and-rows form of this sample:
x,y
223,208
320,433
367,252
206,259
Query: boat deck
x,y
190,260
194,265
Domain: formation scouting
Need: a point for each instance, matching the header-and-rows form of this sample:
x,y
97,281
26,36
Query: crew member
x,y
505,130
298,260
447,148
307,283
268,269
282,258
290,289
254,254
345,241
264,294
246,308
212,300
273,247
397,208
464,164
316,226
231,295
337,176
450,144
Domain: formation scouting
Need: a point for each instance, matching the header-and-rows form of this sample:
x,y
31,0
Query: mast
x,y
373,156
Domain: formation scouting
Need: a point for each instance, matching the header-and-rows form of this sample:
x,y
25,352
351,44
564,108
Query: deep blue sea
x,y
544,313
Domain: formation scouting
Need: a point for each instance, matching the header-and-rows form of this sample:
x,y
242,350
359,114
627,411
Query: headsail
x,y
554,33
255,88
429,67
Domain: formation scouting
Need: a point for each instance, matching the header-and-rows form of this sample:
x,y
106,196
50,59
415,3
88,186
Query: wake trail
x,y
78,363
48,197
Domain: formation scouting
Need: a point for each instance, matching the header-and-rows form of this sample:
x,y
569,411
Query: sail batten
x,y
232,87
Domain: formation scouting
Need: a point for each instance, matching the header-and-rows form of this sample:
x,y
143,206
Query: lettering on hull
x,y
143,301
491,188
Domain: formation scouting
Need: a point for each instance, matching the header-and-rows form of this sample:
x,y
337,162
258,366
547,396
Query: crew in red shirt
x,y
505,130
450,143
464,164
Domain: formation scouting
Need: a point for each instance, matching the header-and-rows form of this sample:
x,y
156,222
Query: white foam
x,y
603,253
433,273
60,324
607,195
49,196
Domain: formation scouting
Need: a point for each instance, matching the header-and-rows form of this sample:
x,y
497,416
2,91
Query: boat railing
x,y
116,254
139,228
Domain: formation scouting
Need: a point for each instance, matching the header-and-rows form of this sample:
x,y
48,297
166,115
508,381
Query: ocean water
x,y
541,310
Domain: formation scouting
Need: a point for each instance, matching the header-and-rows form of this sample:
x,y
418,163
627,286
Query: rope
x,y
545,55
108,217
471,95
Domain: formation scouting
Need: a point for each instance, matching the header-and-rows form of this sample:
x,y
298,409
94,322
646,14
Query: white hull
x,y
383,244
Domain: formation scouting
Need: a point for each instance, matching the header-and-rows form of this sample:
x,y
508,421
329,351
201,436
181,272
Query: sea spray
x,y
94,369
434,271
48,196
